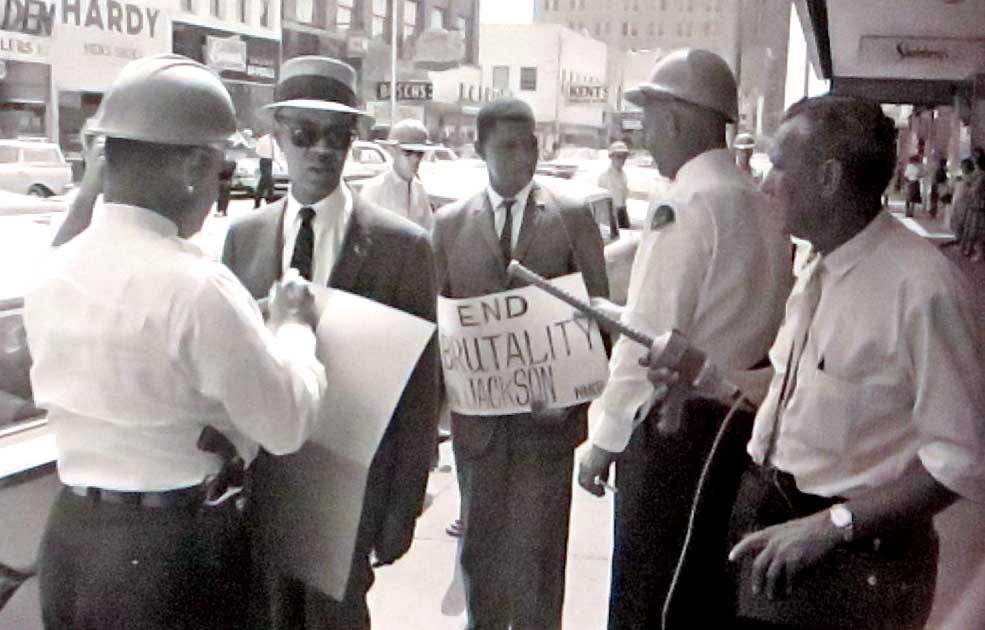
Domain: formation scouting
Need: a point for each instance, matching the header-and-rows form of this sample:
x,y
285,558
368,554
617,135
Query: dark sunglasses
x,y
305,134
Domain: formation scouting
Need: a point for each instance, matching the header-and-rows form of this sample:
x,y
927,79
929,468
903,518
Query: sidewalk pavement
x,y
408,595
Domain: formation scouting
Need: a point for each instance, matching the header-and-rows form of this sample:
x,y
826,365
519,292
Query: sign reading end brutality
x,y
499,350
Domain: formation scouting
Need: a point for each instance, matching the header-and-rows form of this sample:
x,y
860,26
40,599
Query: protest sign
x,y
310,502
499,350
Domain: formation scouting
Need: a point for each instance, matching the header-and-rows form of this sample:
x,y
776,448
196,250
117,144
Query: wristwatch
x,y
843,520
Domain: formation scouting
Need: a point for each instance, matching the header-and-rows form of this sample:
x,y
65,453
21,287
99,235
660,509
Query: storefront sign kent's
x,y
35,17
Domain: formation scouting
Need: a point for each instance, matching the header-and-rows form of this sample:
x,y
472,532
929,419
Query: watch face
x,y
840,516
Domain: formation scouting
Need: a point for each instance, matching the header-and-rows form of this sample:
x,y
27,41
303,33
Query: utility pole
x,y
393,62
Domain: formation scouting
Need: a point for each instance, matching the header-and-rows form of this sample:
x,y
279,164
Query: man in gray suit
x,y
336,239
514,471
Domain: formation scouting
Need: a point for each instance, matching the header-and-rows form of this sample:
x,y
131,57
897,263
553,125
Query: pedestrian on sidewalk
x,y
912,174
938,187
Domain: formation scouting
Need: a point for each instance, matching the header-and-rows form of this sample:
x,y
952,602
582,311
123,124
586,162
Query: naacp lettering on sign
x,y
406,90
500,351
588,93
35,17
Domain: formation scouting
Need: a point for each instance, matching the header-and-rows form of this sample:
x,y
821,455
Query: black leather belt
x,y
182,497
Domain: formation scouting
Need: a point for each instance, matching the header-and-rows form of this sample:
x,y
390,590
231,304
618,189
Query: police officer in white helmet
x,y
711,265
159,376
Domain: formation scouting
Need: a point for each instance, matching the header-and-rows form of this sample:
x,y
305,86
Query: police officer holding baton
x,y
142,345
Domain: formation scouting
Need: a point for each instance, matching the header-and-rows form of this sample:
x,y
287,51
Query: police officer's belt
x,y
182,497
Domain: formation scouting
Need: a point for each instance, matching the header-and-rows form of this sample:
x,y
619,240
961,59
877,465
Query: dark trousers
x,y
265,183
106,566
863,585
298,607
513,550
225,191
622,217
656,477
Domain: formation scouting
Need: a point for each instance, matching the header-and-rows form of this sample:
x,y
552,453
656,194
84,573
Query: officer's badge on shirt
x,y
663,215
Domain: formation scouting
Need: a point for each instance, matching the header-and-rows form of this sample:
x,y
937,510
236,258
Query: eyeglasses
x,y
305,134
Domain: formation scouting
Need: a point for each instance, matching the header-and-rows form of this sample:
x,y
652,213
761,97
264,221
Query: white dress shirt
x,y
516,212
404,197
139,340
719,273
615,182
331,219
893,370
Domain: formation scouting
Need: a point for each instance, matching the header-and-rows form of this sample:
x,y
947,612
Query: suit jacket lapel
x,y
355,247
531,223
483,211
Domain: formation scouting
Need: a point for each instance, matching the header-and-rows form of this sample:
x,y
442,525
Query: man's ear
x,y
830,174
480,149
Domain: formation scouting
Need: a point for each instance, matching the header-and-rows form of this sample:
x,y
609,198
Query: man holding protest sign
x,y
712,265
514,468
335,238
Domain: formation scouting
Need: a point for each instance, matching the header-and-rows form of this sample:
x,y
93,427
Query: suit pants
x,y
513,551
298,607
108,566
656,476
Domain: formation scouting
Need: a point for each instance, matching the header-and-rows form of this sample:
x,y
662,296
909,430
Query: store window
x,y
437,18
528,79
343,14
379,17
410,18
265,13
501,78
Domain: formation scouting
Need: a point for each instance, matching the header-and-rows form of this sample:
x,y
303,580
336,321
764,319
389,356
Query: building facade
x,y
559,72
437,53
58,57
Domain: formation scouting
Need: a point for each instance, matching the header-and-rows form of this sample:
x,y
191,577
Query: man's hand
x,y
540,412
781,551
394,540
593,470
291,299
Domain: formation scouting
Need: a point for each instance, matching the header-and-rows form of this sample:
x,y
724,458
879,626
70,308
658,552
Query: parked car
x,y
33,167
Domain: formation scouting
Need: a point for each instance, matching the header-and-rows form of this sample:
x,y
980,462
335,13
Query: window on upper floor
x,y
501,78
304,11
547,5
243,10
581,4
379,17
410,18
437,18
216,8
625,28
528,79
344,14
652,29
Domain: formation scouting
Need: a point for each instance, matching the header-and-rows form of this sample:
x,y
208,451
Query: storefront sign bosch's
x,y
35,17
406,90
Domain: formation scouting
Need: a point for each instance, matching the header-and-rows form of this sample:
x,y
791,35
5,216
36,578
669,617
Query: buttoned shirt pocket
x,y
835,405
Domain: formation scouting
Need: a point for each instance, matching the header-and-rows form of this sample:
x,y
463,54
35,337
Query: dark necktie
x,y
506,236
304,244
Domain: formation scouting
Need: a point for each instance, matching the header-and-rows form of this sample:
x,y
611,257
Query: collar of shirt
x,y
716,162
332,215
133,216
851,252
499,212
394,179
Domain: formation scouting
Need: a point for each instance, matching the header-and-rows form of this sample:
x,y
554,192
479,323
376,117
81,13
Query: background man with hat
x,y
514,471
140,343
711,264
399,189
335,238
613,179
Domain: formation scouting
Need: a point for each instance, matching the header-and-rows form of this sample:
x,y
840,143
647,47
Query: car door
x,y
12,176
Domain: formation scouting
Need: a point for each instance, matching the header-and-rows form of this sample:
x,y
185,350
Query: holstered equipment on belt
x,y
231,478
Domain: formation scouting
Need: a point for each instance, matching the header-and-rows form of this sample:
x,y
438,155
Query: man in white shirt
x,y
613,179
140,342
399,189
340,240
874,417
711,264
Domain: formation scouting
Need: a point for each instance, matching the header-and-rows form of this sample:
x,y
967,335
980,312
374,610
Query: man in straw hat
x,y
141,346
336,239
399,189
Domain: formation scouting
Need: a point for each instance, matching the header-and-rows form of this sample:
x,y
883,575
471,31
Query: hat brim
x,y
314,104
645,93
